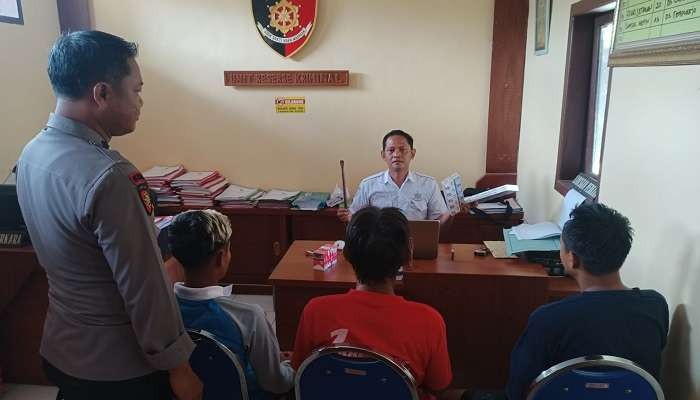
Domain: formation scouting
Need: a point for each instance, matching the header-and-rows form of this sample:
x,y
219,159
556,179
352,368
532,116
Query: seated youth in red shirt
x,y
371,315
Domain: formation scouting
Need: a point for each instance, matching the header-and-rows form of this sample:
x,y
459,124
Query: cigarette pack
x,y
325,257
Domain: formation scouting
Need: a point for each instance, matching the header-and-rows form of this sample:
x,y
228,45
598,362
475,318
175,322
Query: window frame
x,y
18,20
575,137
598,23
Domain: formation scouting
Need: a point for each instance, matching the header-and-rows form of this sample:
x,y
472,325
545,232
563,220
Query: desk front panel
x,y
23,304
485,302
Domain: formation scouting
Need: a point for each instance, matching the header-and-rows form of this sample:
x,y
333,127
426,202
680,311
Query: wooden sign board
x,y
287,78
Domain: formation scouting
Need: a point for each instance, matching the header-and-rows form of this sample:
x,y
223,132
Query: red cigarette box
x,y
325,257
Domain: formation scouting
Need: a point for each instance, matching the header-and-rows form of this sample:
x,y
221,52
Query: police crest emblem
x,y
285,25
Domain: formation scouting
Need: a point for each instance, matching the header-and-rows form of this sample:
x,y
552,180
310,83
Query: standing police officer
x,y
113,329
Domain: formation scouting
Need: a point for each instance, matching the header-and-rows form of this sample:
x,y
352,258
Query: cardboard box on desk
x,y
325,257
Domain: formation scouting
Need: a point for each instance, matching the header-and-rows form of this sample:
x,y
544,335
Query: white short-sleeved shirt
x,y
418,197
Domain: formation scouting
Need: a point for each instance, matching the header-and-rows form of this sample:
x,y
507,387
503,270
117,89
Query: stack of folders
x,y
159,179
500,207
495,193
238,197
198,189
311,201
542,236
277,198
517,245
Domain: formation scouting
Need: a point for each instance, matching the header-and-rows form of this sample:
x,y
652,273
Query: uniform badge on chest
x,y
417,197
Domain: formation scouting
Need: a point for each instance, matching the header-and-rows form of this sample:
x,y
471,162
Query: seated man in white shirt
x,y
418,196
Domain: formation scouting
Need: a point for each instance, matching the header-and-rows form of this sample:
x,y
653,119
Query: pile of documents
x,y
198,189
501,191
501,207
277,198
515,245
336,197
159,178
542,236
311,201
238,197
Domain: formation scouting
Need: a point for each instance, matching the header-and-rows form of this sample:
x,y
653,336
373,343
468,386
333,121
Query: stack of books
x,y
159,179
199,189
238,197
276,198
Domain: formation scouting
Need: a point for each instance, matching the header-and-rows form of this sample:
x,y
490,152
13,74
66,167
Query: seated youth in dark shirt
x,y
607,318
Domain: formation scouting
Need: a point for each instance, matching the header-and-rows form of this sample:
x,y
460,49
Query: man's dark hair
x,y
600,236
397,132
376,243
79,60
195,236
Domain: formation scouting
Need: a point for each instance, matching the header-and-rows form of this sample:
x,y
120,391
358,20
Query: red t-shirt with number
x,y
409,332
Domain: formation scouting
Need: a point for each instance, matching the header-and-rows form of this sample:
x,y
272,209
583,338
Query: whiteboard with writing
x,y
657,27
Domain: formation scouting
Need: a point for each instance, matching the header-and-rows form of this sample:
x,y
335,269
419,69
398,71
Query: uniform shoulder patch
x,y
142,189
136,178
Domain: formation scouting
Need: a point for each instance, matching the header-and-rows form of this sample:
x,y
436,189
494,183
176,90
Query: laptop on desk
x,y
425,235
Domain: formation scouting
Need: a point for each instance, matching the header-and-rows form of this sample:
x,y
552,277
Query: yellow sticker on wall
x,y
290,104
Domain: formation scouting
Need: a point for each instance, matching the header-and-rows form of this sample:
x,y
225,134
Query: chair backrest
x,y
596,378
343,372
218,368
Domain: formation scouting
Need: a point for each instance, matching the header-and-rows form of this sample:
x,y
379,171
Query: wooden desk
x,y
485,302
23,303
260,239
261,236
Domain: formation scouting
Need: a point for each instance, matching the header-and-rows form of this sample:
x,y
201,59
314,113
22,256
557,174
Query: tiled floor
x,y
34,392
11,391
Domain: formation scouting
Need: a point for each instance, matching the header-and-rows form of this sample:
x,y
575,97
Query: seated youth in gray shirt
x,y
199,240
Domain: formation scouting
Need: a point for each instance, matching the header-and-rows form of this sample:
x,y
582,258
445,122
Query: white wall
x,y
419,66
25,93
650,174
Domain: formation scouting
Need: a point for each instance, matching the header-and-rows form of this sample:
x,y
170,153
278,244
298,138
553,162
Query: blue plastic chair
x,y
218,368
342,372
596,378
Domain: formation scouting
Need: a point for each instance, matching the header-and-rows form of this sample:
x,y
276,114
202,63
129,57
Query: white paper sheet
x,y
572,199
540,230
